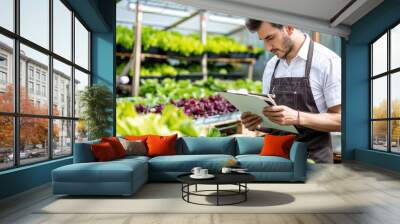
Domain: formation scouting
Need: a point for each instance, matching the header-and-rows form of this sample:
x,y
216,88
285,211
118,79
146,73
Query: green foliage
x,y
213,132
153,91
185,45
124,37
97,102
171,120
219,44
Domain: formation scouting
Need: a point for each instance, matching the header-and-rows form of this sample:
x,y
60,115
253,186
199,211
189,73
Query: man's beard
x,y
288,46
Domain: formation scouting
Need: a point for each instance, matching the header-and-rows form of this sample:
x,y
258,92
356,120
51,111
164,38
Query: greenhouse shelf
x,y
196,76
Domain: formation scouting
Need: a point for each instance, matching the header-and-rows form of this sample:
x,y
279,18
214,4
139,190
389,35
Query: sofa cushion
x,y
277,145
134,147
116,145
185,163
103,152
112,171
161,145
206,145
257,163
249,145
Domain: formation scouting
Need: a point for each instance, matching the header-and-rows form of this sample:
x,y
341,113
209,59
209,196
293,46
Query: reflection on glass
x,y
62,89
6,142
395,136
62,138
7,14
379,98
35,21
379,55
33,139
81,81
81,45
379,135
6,74
395,95
62,29
34,96
81,131
395,47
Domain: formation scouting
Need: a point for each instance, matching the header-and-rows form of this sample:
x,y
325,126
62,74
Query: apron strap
x,y
309,59
272,82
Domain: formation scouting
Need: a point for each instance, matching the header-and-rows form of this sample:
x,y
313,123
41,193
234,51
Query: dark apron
x,y
295,92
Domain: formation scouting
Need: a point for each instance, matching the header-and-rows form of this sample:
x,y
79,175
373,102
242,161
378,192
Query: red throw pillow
x,y
277,145
116,145
103,152
161,145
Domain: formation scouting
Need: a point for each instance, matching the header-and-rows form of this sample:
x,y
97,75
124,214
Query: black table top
x,y
220,178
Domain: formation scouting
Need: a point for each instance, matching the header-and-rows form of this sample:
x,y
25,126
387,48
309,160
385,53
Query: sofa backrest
x,y
190,146
249,145
83,152
206,145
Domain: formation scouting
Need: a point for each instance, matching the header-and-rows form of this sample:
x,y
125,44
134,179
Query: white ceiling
x,y
316,15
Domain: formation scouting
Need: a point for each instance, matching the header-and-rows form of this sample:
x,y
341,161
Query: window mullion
x,y
16,84
73,82
50,81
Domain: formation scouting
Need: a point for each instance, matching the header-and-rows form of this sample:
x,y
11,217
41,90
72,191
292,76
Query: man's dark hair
x,y
253,25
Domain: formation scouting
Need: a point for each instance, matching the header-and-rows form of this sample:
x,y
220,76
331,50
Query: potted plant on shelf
x,y
96,102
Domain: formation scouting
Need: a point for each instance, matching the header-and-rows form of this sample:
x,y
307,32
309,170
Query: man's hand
x,y
281,115
250,120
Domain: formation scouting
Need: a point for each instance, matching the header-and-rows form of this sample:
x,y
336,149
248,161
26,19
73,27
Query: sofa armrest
x,y
298,155
83,152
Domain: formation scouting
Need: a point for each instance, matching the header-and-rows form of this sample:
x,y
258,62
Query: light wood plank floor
x,y
378,188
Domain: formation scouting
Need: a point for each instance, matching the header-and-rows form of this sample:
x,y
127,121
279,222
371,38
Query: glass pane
x,y
62,138
33,139
35,21
62,29
6,74
379,135
81,81
395,138
7,14
379,98
395,47
81,45
34,97
6,142
62,89
81,131
395,94
379,55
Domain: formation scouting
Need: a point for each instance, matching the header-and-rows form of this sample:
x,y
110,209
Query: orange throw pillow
x,y
103,152
277,145
161,145
116,145
135,138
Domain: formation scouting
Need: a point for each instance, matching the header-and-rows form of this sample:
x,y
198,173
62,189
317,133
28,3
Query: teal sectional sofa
x,y
125,176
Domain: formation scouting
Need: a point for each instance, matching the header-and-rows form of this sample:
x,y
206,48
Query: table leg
x,y
217,194
196,188
245,193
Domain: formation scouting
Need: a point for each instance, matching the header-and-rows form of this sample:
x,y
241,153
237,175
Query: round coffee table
x,y
238,179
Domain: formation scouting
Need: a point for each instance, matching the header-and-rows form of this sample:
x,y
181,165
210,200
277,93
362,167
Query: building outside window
x,y
34,56
3,72
30,87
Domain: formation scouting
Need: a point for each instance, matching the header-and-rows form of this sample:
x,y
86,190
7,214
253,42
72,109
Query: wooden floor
x,y
378,188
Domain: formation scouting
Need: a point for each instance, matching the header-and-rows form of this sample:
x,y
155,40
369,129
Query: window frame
x,y
16,114
388,74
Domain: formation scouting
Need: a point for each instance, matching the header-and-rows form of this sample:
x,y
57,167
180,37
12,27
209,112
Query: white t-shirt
x,y
325,74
